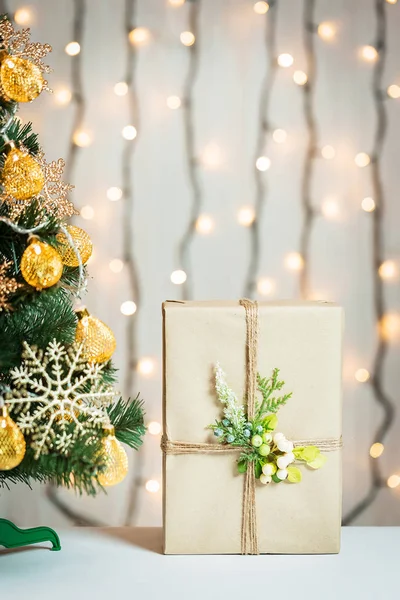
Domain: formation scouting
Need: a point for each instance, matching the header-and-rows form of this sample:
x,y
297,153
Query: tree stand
x,y
12,536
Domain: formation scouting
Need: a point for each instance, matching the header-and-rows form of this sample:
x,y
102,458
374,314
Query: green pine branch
x,y
21,134
127,418
268,386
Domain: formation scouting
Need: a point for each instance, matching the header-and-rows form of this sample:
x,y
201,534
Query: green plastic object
x,y
12,536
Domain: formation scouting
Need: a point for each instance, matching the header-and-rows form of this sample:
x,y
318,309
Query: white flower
x,y
281,474
267,469
265,478
278,436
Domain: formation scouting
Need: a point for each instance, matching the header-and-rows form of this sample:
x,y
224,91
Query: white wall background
x,y
232,65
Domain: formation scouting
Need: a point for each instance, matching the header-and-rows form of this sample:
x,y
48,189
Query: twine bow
x,y
249,532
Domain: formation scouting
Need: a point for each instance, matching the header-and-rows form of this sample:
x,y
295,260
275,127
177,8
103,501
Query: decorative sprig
x,y
271,453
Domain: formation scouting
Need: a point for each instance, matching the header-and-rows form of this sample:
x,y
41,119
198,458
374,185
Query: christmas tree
x,y
61,420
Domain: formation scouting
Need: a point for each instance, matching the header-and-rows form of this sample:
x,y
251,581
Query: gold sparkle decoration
x,y
54,195
115,458
21,80
96,337
83,245
22,175
41,265
12,442
8,286
17,43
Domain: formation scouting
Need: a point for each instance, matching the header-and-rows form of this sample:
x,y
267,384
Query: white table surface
x,y
97,564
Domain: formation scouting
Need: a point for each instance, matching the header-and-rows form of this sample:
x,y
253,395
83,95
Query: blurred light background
x,y
222,148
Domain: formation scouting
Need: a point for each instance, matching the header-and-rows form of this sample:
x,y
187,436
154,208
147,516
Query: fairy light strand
x,y
128,237
308,88
376,381
78,97
192,161
264,129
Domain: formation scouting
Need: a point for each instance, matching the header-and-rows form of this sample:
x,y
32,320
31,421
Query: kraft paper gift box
x,y
203,493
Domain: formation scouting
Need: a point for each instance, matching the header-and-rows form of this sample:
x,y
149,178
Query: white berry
x,y
289,446
281,474
265,479
278,436
267,469
290,457
283,445
282,462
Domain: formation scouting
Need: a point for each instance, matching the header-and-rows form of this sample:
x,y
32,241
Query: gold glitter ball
x,y
12,442
41,265
21,80
83,245
96,337
22,175
116,461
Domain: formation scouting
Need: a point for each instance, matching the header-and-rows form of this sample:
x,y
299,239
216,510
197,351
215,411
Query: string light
x,y
154,428
326,31
368,204
62,96
121,88
152,486
176,3
82,138
376,450
261,8
87,212
23,16
285,60
300,77
204,224
139,36
362,159
393,91
389,326
129,132
391,1
178,277
330,209
211,156
128,308
393,481
173,102
294,261
116,265
263,163
279,136
328,152
388,270
146,366
265,286
114,194
187,38
246,216
362,375
369,53
73,48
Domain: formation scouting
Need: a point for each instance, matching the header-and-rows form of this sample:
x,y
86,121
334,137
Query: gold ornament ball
x,y
96,337
116,461
41,265
83,245
22,175
12,442
21,80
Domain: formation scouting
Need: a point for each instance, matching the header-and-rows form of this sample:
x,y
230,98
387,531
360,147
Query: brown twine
x,y
249,535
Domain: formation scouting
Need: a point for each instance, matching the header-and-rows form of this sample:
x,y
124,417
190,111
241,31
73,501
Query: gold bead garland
x,y
96,337
41,265
21,80
22,176
115,458
83,245
12,442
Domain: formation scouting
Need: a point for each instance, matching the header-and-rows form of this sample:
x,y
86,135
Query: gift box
x,y
224,490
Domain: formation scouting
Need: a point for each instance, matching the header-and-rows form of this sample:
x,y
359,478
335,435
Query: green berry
x,y
256,441
264,449
267,438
